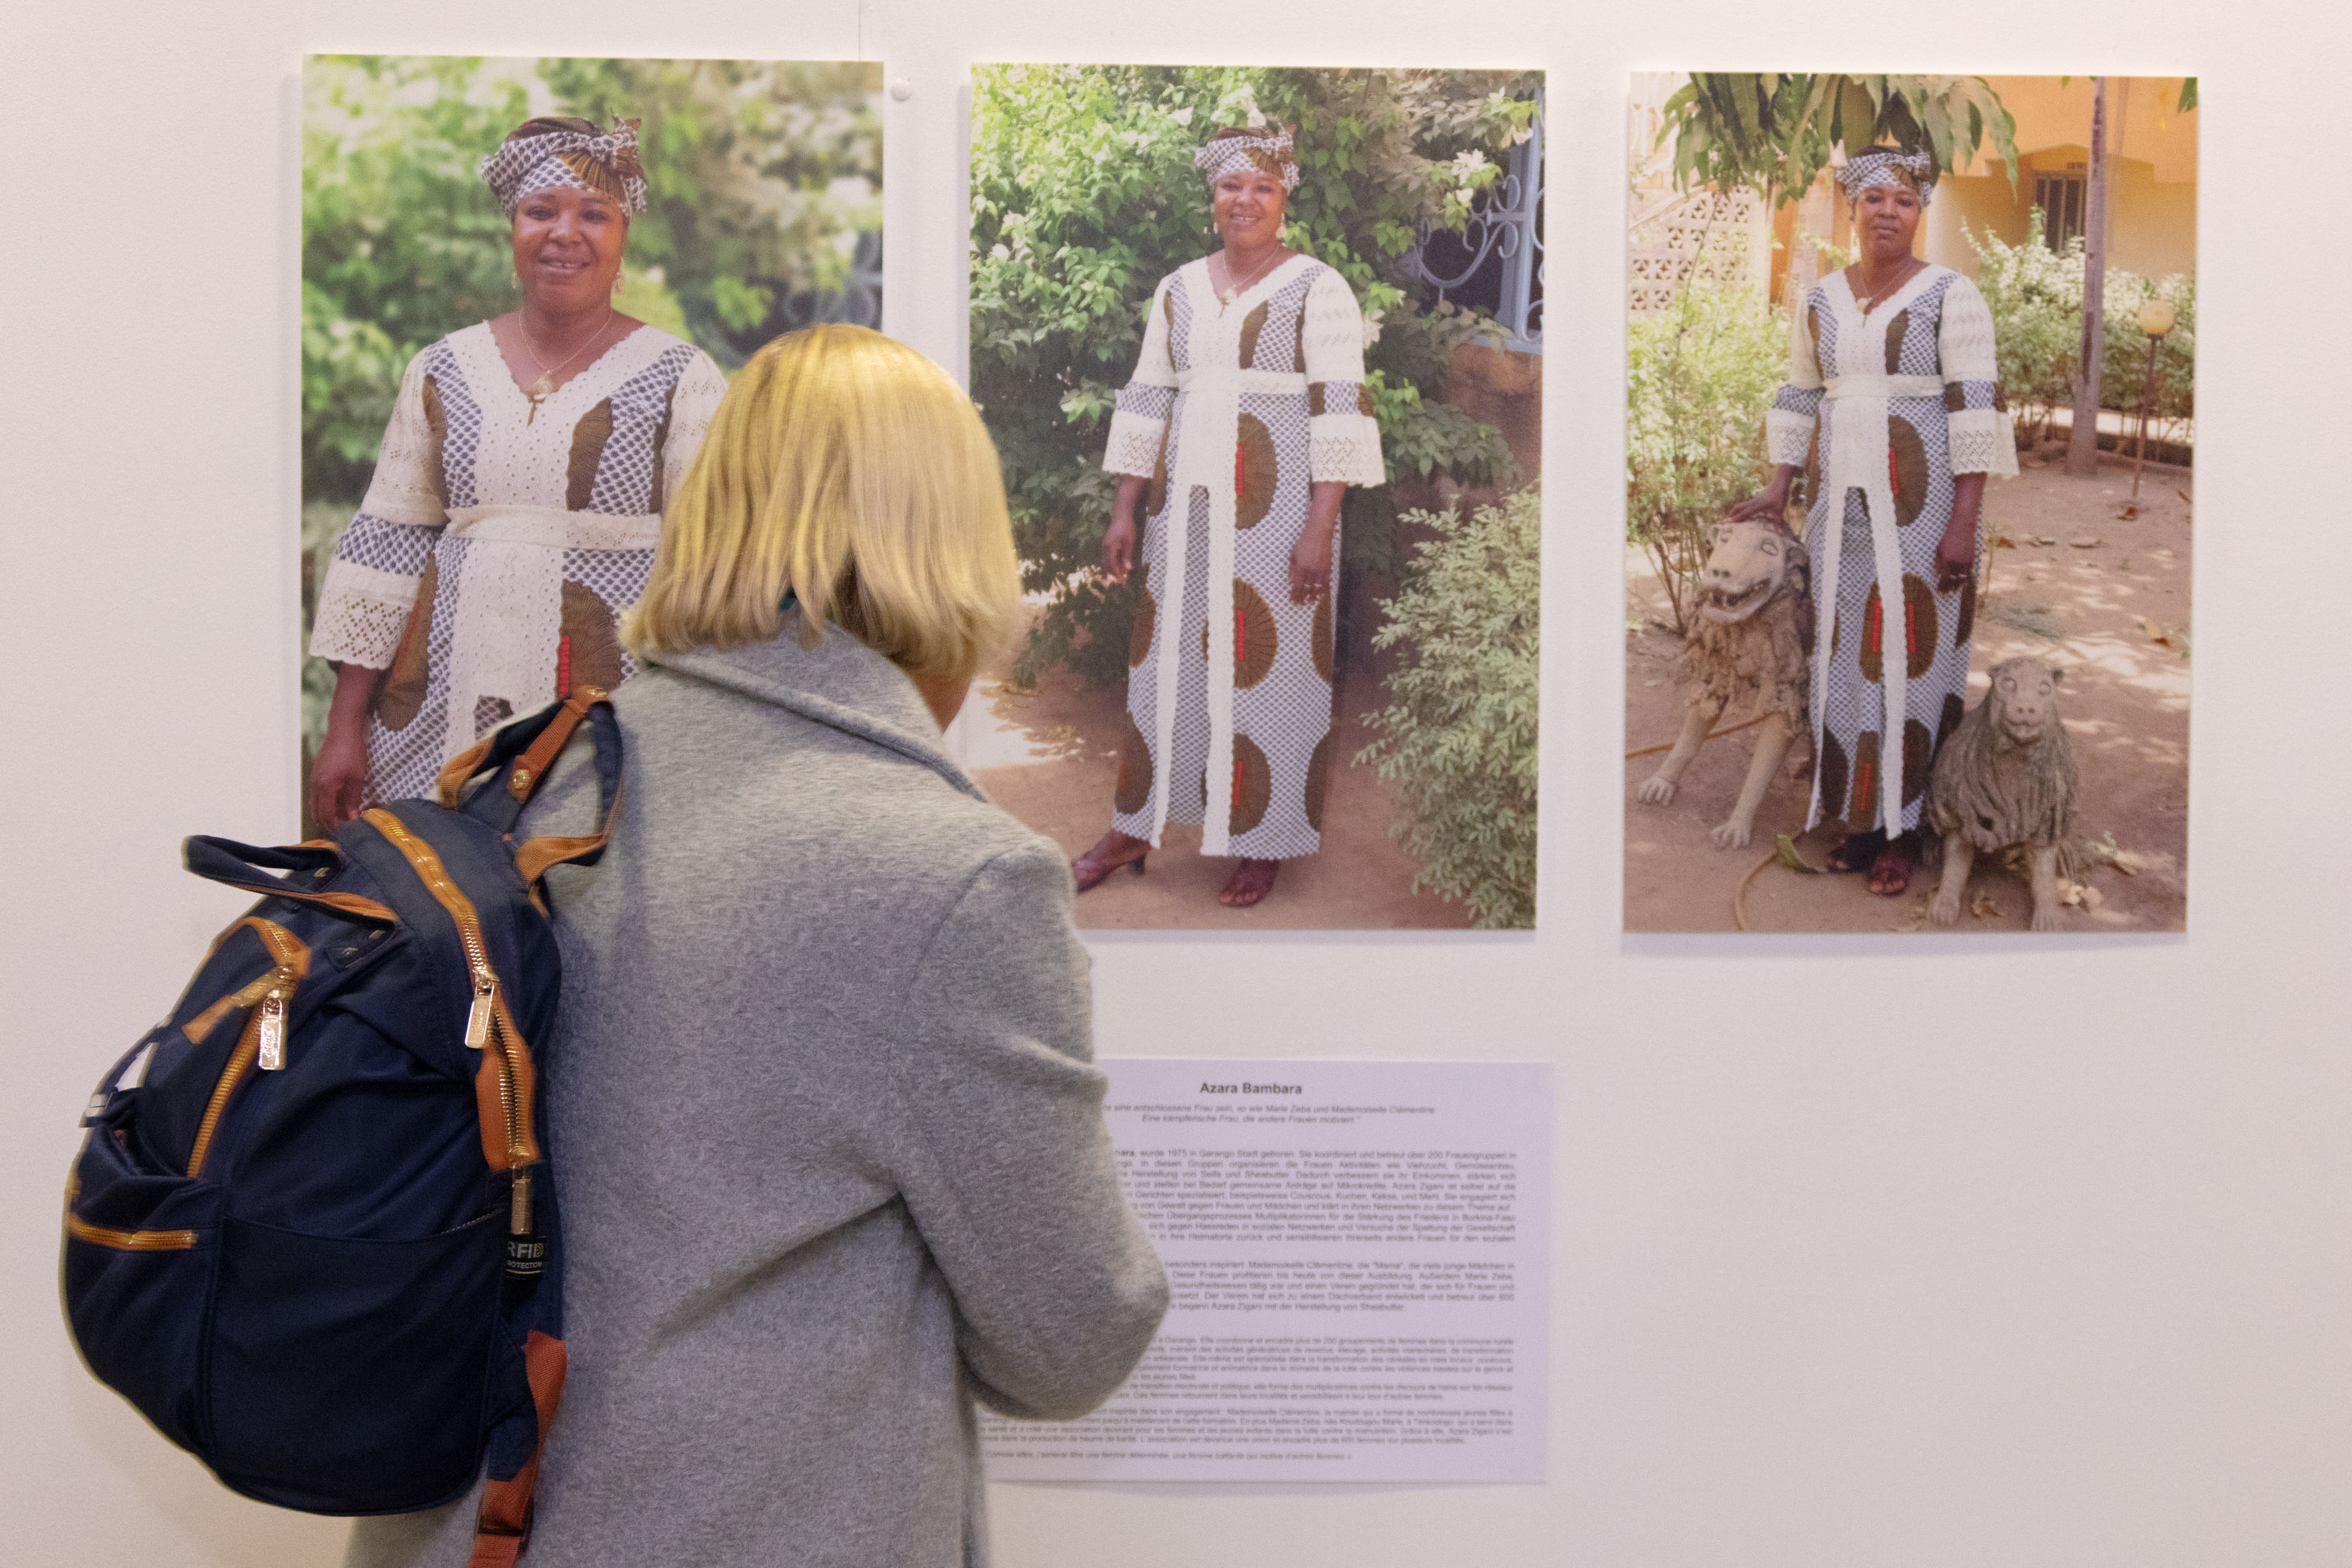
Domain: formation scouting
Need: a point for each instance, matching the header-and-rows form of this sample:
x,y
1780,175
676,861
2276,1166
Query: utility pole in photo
x,y
2082,441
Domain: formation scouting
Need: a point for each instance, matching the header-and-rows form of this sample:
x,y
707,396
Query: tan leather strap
x,y
461,767
502,1528
532,765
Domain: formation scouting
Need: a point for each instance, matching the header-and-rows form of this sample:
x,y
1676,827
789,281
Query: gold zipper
x,y
488,1026
130,1240
264,1038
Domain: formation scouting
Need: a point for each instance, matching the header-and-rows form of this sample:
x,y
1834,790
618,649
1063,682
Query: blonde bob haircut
x,y
846,469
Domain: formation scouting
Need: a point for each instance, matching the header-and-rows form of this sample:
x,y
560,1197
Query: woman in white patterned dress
x,y
1893,409
518,496
1246,419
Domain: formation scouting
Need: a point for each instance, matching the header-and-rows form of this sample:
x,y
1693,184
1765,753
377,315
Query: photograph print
x,y
1261,351
1909,494
525,284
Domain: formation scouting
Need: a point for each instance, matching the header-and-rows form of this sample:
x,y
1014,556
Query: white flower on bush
x,y
1181,115
1468,164
1372,327
999,251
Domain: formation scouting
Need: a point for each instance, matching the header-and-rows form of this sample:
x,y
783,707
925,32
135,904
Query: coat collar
x,y
841,682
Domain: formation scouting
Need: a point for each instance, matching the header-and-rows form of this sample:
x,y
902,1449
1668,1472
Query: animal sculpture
x,y
2006,779
1752,641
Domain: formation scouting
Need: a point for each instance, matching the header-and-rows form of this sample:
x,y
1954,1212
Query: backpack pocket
x,y
346,1376
136,1273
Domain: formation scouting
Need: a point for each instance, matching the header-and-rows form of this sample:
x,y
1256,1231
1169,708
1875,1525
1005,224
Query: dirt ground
x,y
2074,585
1050,757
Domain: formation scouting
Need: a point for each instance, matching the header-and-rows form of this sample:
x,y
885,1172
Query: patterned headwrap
x,y
1267,150
1890,166
553,152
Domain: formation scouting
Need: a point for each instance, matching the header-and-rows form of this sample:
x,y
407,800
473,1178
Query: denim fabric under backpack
x,y
310,1233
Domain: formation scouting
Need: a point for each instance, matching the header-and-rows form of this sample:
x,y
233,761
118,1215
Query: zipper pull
x,y
519,1217
271,1055
477,1017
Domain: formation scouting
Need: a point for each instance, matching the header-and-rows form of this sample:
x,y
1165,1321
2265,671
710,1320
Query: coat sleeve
x,y
1138,425
1788,424
1343,439
1002,1157
1983,440
370,584
694,402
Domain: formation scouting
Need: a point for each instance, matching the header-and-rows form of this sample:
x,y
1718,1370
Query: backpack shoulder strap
x,y
520,756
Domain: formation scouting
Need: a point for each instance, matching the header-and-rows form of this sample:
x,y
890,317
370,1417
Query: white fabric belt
x,y
556,528
509,622
1882,386
1276,381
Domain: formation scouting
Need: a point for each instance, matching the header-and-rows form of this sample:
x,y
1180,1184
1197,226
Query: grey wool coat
x,y
828,1141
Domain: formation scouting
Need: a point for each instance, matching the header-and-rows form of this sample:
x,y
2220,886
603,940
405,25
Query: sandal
x,y
1858,851
1890,873
1090,868
1251,882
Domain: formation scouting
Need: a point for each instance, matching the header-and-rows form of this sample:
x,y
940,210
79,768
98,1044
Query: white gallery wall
x,y
1914,1250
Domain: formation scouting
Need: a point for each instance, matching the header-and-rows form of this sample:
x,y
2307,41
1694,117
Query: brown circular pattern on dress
x,y
595,645
1142,629
1862,806
1253,785
1320,639
1253,324
1318,779
1910,469
1919,757
1873,639
436,427
1256,497
402,695
1897,330
1919,625
1255,640
1833,773
1966,624
1134,787
1813,325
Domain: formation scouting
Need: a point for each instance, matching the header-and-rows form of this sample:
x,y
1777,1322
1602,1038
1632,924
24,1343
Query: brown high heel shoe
x,y
1090,868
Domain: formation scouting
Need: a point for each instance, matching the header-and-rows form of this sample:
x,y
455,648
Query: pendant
x,y
538,393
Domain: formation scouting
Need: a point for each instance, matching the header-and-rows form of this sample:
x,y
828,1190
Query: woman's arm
x,y
1310,558
1118,541
339,773
1002,1155
1956,552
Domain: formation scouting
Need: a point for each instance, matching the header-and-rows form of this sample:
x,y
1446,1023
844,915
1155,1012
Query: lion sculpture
x,y
1752,641
2006,779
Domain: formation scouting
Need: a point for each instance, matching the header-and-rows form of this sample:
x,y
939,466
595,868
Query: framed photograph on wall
x,y
1910,480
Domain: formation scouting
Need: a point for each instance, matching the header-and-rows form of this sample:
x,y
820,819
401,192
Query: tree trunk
x,y
2083,443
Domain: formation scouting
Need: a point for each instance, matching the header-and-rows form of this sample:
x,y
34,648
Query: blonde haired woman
x,y
831,1155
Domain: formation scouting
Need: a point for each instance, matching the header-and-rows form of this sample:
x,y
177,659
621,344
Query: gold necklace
x,y
1234,291
539,390
1862,302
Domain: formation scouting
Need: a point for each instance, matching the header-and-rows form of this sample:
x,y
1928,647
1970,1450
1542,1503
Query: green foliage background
x,y
1084,195
1457,739
761,177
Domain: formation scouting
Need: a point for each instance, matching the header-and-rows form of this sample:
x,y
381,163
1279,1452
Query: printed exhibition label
x,y
1357,1252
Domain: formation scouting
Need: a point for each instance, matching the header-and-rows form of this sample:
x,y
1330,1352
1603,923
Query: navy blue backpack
x,y
310,1233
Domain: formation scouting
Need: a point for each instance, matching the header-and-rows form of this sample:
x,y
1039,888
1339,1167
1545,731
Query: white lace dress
x,y
1234,413
1885,408
497,546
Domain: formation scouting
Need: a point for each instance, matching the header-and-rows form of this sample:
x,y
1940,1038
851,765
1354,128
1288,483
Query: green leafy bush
x,y
760,178
2036,297
1457,741
1084,195
1700,380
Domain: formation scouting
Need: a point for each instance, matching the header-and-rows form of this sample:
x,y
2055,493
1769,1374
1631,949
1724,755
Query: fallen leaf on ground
x,y
2071,893
2127,512
2087,542
2043,539
1983,907
1784,850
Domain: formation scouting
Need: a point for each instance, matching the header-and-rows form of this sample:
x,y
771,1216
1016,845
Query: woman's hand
x,y
1956,552
339,773
1770,503
1118,539
339,776
1310,565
